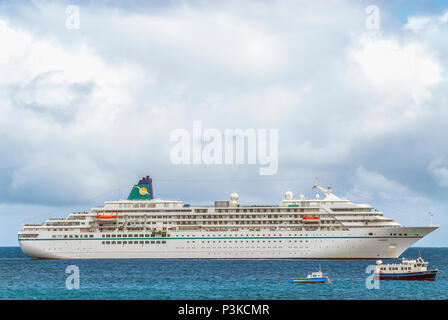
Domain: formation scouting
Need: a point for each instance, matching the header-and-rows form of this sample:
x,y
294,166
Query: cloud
x,y
391,66
60,103
426,23
439,172
227,41
374,184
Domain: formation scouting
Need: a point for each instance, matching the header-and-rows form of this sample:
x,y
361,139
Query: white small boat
x,y
410,270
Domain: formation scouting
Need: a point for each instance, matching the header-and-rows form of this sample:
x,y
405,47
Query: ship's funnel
x,y
142,190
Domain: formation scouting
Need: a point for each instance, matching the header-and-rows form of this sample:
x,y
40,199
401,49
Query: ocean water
x,y
24,278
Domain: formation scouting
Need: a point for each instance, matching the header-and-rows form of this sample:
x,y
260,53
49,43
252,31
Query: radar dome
x,y
234,197
288,195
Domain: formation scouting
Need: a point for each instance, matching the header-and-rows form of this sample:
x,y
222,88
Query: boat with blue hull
x,y
410,270
314,277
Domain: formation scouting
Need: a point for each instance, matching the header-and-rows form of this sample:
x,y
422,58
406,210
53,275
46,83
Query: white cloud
x,y
394,67
243,47
417,23
398,79
17,41
426,23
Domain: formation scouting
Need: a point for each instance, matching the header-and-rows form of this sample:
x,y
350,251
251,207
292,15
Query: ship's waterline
x,y
145,227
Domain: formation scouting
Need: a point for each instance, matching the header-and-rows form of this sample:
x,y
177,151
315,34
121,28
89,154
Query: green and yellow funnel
x,y
142,190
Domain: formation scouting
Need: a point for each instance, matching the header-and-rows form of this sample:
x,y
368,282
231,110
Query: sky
x,y
85,112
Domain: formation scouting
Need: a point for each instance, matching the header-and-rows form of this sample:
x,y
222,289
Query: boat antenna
x,y
430,218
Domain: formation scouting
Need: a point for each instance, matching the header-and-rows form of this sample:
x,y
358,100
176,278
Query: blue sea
x,y
24,278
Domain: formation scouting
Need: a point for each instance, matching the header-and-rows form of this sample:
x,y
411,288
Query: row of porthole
x,y
253,253
133,242
252,241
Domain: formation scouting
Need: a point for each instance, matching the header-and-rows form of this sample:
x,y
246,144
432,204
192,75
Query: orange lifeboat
x,y
106,217
311,218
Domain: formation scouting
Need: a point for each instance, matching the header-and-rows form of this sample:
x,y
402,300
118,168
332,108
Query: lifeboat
x,y
106,217
311,218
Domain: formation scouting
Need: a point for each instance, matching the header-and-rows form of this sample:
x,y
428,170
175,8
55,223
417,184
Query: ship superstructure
x,y
146,227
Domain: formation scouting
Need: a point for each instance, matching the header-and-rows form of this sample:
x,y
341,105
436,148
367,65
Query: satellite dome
x,y
288,195
234,197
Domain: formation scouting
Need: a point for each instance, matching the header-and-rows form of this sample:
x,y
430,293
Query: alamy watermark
x,y
73,18
372,282
373,18
73,280
234,146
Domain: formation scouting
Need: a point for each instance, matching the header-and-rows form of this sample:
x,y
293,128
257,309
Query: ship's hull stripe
x,y
215,238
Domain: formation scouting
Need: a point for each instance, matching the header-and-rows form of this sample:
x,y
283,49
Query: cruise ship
x,y
142,226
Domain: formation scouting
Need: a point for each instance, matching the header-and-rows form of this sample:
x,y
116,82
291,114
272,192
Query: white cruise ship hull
x,y
357,243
